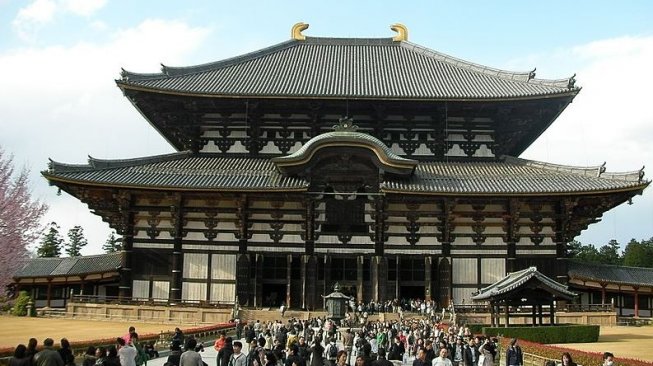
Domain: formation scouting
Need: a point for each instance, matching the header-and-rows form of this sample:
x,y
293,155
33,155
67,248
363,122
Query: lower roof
x,y
185,171
517,280
69,266
610,274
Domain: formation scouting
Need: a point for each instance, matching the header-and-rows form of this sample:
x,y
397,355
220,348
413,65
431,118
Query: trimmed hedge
x,y
548,334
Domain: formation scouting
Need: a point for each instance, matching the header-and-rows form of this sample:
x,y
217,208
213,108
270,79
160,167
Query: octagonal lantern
x,y
336,303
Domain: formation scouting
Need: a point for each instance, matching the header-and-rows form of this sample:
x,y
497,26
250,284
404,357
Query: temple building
x,y
380,164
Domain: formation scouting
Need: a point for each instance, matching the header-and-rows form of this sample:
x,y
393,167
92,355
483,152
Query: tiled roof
x,y
517,279
69,266
512,176
610,274
352,68
180,171
211,172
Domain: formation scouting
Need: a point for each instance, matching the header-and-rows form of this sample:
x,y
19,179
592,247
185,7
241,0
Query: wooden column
x,y
258,280
534,315
507,316
126,229
48,297
176,211
309,260
428,286
552,318
512,229
245,261
636,301
359,278
288,279
603,285
540,310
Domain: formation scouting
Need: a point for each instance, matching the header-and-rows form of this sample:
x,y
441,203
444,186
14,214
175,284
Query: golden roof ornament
x,y
402,32
296,32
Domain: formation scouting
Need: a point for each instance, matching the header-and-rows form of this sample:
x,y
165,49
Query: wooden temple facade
x,y
379,164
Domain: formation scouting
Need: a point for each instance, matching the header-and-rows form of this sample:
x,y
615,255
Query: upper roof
x,y
186,171
515,280
634,276
361,68
69,266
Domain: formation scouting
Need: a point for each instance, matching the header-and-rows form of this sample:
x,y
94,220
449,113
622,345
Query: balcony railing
x,y
149,301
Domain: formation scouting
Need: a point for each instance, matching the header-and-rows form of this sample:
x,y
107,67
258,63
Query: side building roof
x,y
513,281
362,68
611,274
197,172
69,266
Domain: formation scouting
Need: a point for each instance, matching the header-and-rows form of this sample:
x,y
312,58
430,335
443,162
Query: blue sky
x,y
59,59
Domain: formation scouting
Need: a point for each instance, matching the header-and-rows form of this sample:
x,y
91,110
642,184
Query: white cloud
x,y
609,121
83,7
62,102
33,17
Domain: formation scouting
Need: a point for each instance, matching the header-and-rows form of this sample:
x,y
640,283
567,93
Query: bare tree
x,y
19,217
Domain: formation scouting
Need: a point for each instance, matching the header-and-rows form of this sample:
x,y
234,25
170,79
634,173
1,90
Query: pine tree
x,y
112,244
51,242
76,241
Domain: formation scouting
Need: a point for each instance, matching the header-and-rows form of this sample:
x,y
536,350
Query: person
x,y
225,352
420,357
396,350
317,352
190,357
112,357
141,356
238,358
66,353
341,359
381,360
330,352
293,357
48,356
20,358
128,337
31,349
348,341
566,359
219,343
471,353
457,352
442,359
608,359
270,359
514,356
282,309
360,361
150,350
487,354
89,357
126,352
178,336
100,356
175,354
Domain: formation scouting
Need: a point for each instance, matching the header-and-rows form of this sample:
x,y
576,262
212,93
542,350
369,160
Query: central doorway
x,y
273,294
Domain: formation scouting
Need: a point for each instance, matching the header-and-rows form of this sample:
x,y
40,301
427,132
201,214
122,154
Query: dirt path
x,y
631,342
16,330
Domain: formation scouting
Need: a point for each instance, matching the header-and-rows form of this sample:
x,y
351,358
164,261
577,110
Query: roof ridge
x,y
521,76
169,71
598,171
578,261
57,167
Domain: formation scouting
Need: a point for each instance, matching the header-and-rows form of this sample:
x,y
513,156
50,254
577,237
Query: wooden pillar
x,y
507,316
534,315
359,278
309,276
540,310
327,278
603,285
48,297
126,229
636,301
492,315
176,212
288,279
258,280
512,228
552,318
428,286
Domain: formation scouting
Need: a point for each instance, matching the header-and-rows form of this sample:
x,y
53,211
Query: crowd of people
x,y
293,342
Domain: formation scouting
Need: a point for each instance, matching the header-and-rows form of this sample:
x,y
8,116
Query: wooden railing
x,y
141,301
571,308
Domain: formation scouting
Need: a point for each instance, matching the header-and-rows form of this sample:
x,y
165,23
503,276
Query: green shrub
x,y
549,334
20,305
